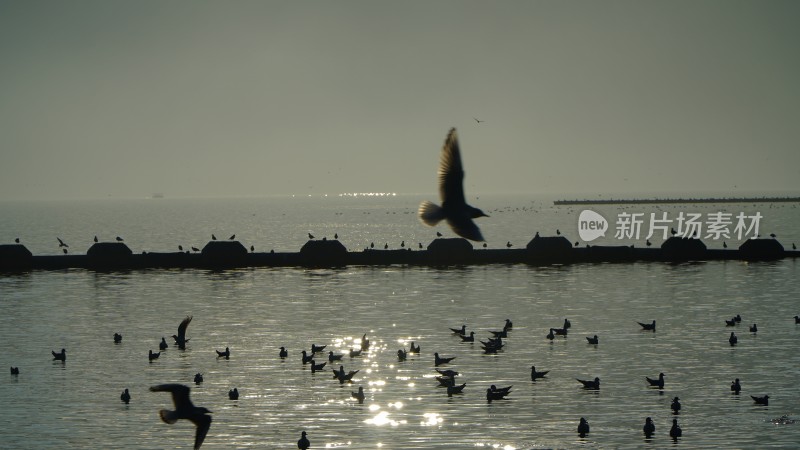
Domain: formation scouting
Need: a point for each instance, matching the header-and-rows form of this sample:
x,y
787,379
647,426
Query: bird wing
x,y
180,394
465,227
203,423
182,328
451,172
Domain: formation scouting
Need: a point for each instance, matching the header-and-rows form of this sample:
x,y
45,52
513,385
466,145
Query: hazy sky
x,y
124,99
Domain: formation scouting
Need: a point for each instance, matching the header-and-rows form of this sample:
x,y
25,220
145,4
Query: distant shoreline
x,y
677,200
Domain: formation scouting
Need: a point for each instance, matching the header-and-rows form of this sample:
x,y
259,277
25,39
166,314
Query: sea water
x,y
254,311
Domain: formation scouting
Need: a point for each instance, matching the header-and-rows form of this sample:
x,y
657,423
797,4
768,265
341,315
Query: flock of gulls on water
x,y
459,216
447,378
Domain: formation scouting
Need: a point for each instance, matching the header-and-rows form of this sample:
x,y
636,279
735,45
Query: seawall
x,y
331,253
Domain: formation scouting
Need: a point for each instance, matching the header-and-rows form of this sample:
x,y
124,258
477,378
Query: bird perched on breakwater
x,y
185,409
180,338
454,209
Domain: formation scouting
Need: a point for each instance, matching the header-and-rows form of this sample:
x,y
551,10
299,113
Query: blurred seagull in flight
x,y
185,409
454,209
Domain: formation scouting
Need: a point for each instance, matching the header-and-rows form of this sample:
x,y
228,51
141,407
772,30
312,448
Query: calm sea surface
x,y
255,311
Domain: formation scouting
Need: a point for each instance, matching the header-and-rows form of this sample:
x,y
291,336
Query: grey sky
x,y
112,98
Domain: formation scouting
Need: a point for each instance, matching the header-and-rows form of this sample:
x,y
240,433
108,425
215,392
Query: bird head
x,y
475,213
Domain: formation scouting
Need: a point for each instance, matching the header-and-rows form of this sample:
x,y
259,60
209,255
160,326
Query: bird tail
x,y
169,417
430,213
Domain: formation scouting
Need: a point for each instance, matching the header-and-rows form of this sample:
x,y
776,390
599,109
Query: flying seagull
x,y
180,338
185,409
454,209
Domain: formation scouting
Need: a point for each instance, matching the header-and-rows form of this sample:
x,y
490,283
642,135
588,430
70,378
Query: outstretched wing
x,y
182,328
180,394
203,423
465,228
451,172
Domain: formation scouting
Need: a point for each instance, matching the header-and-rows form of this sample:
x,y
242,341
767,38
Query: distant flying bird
x,y
180,338
233,236
454,209
61,243
119,239
477,120
185,409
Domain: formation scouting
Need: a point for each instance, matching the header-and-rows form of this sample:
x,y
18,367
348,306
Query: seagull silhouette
x,y
454,209
61,243
185,409
180,338
303,443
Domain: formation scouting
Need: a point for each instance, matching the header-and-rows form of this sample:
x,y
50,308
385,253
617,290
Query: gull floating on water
x,y
454,209
656,382
583,428
185,409
125,396
62,356
303,443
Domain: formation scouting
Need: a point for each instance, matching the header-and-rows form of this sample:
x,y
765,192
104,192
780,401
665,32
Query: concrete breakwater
x,y
332,253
